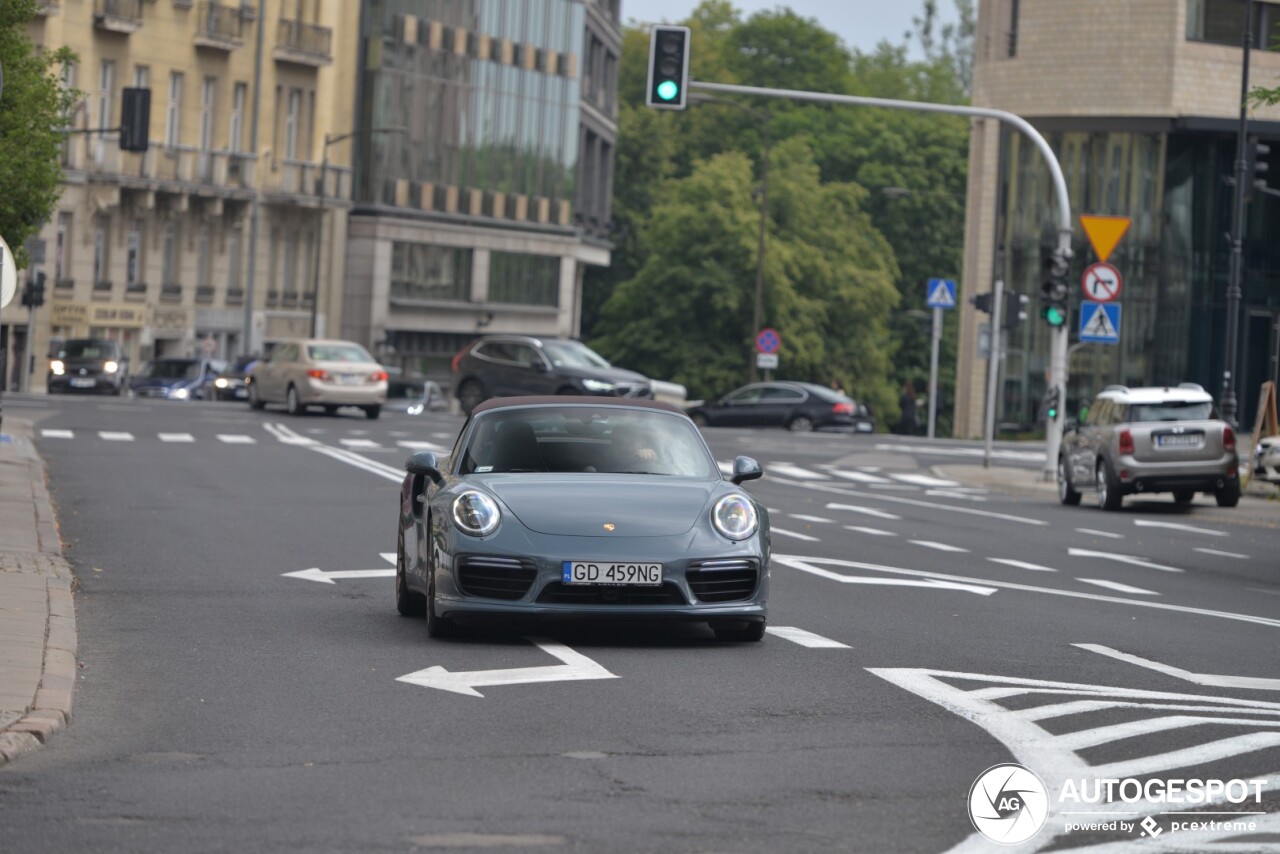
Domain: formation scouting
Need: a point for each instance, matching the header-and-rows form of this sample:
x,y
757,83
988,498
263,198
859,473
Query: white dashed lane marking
x,y
817,519
367,444
1177,526
785,533
942,547
176,437
1217,553
115,437
1130,559
1117,586
57,434
1096,533
236,439
1021,564
804,638
860,477
869,511
792,470
875,532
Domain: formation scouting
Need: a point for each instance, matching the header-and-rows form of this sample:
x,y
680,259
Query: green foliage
x,y
32,107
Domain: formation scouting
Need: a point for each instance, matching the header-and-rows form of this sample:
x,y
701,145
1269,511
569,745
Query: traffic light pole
x,y
1058,345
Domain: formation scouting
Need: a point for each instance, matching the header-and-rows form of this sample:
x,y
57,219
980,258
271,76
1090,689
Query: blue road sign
x,y
1100,322
941,293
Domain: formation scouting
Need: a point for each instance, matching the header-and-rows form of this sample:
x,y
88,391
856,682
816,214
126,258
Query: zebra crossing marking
x,y
111,436
57,434
367,444
236,439
869,511
176,437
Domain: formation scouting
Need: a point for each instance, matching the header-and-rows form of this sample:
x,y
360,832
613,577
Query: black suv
x,y
88,364
506,365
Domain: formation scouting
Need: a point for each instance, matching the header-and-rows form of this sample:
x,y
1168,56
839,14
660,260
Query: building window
x,y
291,124
170,261
133,257
106,82
233,262
204,258
1222,22
524,279
173,112
238,98
290,278
100,249
424,272
208,97
1011,34
62,248
141,77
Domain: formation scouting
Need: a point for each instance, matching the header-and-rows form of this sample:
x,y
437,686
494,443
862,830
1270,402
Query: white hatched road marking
x,y
785,533
1096,533
818,519
1034,456
1212,680
792,470
974,696
367,444
1136,561
115,437
432,446
875,532
1021,564
1177,526
915,502
923,480
57,434
236,439
860,477
176,437
869,511
942,547
806,565
955,493
1117,586
804,638
1218,553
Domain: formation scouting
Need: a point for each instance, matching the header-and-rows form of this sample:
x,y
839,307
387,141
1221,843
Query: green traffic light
x,y
1054,315
1053,414
668,90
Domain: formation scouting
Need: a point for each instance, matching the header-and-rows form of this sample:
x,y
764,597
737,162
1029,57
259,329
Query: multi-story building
x,y
483,171
1140,99
218,236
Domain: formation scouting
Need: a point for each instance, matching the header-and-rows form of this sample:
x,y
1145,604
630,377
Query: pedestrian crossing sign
x,y
1100,322
941,293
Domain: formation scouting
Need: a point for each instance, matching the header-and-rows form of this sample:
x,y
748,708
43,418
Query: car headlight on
x,y
110,367
476,513
734,516
220,382
179,393
597,385
57,367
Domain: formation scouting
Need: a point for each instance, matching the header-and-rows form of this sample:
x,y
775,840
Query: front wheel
x,y
1229,495
800,424
1109,497
1066,493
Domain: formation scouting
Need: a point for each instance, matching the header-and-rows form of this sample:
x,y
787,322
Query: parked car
x,y
233,383
88,364
581,507
506,365
318,372
176,378
1142,440
800,407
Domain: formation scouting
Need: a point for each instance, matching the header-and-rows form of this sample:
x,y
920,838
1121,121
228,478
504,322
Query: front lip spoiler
x,y
657,613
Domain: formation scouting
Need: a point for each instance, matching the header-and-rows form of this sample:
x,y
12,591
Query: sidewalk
x,y
37,617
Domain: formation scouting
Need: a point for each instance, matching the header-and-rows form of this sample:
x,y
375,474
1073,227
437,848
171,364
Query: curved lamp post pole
x,y
329,139
757,315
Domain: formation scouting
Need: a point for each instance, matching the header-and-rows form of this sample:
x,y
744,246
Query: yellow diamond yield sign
x,y
1104,232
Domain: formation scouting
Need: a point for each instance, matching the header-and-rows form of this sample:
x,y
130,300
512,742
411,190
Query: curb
x,y
50,709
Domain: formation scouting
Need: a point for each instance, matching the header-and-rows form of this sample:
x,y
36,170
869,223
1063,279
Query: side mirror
x,y
424,463
745,468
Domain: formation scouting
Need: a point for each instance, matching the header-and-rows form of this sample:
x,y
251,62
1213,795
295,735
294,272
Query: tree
x,y
32,108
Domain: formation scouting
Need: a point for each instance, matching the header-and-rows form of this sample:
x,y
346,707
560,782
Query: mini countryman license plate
x,y
606,572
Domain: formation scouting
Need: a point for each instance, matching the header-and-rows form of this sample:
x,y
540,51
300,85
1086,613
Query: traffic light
x,y
982,302
668,67
33,292
135,122
1054,288
1050,404
1015,309
1256,165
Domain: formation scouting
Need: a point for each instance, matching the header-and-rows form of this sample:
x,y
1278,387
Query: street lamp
x,y
757,314
329,139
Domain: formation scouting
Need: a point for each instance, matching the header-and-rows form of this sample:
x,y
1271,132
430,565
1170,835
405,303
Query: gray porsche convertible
x,y
571,507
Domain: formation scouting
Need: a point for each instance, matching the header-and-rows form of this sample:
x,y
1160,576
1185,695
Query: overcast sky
x,y
861,24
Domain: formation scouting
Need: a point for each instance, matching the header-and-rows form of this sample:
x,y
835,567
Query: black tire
x,y
1066,492
1109,496
470,395
372,412
736,632
800,424
1184,496
1229,495
292,403
255,402
699,419
408,603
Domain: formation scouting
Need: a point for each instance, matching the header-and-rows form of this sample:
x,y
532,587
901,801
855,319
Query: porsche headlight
x,y
597,385
57,367
110,366
734,517
476,514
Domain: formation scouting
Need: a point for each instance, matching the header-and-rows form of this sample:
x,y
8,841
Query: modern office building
x,y
1140,99
483,171
210,241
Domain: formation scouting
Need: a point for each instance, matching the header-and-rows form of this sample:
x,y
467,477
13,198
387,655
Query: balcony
x,y
219,174
218,26
118,16
171,293
303,43
102,289
235,296
135,291
295,180
204,293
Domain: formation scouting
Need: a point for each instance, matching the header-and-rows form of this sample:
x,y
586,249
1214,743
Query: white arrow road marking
x,y
1117,586
1136,561
792,470
575,666
942,547
287,436
785,533
1021,564
804,638
1177,526
975,697
115,437
875,532
800,564
235,439
316,574
1217,553
1095,532
1212,680
57,434
870,511
176,437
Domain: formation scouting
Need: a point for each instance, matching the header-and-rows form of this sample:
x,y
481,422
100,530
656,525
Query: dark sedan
x,y
177,378
232,383
574,507
797,406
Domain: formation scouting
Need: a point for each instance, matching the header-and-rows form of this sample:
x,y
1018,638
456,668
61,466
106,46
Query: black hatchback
x,y
510,365
88,364
800,407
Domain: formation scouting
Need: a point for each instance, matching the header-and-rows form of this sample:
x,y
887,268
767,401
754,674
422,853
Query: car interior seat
x,y
516,449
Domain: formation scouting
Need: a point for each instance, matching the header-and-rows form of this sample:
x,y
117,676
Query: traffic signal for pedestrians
x,y
135,122
1054,288
33,292
1050,404
668,67
1015,309
982,302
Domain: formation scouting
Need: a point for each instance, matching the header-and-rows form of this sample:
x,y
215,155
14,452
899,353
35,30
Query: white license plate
x,y
605,572
348,379
1178,441
80,382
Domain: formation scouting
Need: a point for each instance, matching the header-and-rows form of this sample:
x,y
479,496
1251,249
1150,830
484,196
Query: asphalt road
x,y
922,630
